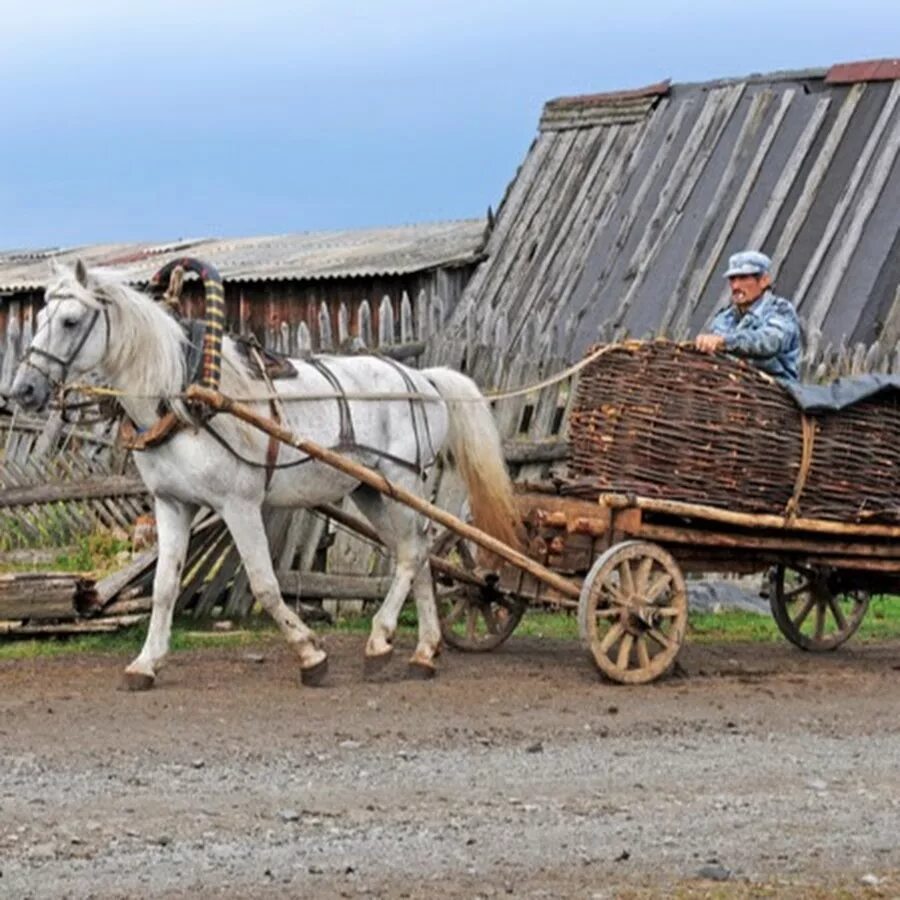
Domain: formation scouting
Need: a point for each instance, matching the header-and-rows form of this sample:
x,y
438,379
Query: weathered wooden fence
x,y
316,557
60,481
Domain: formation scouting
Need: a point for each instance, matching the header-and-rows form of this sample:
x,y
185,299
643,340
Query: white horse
x,y
100,325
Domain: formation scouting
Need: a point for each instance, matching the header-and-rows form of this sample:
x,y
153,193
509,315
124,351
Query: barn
x,y
627,205
296,293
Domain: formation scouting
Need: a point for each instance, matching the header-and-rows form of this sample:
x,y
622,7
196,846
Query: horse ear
x,y
81,273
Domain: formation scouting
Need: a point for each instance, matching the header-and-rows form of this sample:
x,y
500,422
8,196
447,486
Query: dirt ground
x,y
757,770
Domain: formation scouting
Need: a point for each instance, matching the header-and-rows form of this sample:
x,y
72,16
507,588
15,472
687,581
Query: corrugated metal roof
x,y
313,255
621,227
871,70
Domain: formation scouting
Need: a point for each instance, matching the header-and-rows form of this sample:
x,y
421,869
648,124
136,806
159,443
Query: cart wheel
x,y
473,618
632,613
812,610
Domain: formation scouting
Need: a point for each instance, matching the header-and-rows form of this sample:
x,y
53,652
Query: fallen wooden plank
x,y
45,595
108,587
125,607
84,489
335,587
81,626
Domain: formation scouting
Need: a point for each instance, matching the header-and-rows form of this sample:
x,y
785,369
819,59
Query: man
x,y
759,326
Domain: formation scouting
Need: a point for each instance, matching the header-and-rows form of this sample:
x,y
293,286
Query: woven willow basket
x,y
663,420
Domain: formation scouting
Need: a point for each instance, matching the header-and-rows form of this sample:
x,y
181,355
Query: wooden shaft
x,y
672,534
374,480
714,514
354,523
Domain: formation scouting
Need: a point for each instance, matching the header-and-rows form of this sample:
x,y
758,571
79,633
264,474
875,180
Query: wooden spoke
x,y
660,584
608,613
795,592
660,638
643,653
616,597
490,620
458,610
626,580
820,620
642,577
616,602
838,612
611,636
471,621
624,651
800,618
474,616
667,612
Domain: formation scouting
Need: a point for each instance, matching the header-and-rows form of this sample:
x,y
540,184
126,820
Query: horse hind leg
x,y
429,646
406,534
247,529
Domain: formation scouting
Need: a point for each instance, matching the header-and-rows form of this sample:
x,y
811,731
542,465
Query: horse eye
x,y
70,323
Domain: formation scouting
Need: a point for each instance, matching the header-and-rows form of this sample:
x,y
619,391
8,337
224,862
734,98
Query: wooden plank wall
x,y
624,229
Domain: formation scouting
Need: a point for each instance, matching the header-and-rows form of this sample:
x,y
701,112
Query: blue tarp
x,y
842,392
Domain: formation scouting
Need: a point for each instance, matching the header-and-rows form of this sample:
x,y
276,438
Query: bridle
x,y
64,364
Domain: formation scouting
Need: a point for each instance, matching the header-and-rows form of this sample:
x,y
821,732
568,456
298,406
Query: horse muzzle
x,y
30,390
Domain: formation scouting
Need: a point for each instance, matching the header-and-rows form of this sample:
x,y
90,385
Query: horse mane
x,y
146,354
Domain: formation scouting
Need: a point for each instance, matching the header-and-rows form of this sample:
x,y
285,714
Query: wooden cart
x,y
620,561
627,557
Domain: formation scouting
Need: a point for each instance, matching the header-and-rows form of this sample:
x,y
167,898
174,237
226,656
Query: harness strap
x,y
346,434
158,433
413,406
275,409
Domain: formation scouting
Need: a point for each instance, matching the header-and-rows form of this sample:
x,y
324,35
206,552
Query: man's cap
x,y
748,262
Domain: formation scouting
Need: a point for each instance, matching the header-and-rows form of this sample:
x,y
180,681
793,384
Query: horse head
x,y
72,337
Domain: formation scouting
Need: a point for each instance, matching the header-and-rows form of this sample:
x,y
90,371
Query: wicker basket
x,y
663,420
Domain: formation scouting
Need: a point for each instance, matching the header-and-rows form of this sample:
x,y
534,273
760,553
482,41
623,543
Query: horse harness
x,y
82,339
347,442
168,424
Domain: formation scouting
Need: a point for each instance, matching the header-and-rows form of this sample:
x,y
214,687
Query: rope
x,y
380,396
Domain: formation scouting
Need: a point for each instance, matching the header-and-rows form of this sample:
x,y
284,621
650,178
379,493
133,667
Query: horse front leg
x,y
173,526
246,526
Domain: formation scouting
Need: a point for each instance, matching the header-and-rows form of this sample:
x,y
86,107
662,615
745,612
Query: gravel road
x,y
756,770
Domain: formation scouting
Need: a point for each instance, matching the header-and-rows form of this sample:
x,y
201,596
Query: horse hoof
x,y
372,665
137,681
314,675
421,669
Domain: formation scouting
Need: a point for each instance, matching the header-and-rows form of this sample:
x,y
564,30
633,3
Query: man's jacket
x,y
767,335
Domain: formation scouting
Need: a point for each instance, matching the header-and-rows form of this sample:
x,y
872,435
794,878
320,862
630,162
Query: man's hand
x,y
709,343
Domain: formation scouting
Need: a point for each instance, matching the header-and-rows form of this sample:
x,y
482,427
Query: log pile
x,y
661,420
62,603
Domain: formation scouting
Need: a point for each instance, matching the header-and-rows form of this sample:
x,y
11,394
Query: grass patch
x,y
97,554
881,623
187,634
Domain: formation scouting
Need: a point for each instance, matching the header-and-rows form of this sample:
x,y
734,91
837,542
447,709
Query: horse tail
x,y
477,452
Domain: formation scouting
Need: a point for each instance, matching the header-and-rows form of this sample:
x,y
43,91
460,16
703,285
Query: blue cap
x,y
748,262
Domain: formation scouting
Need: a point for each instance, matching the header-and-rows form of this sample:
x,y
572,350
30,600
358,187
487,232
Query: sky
x,y
172,119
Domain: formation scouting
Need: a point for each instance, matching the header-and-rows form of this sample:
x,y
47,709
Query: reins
x,y
168,423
